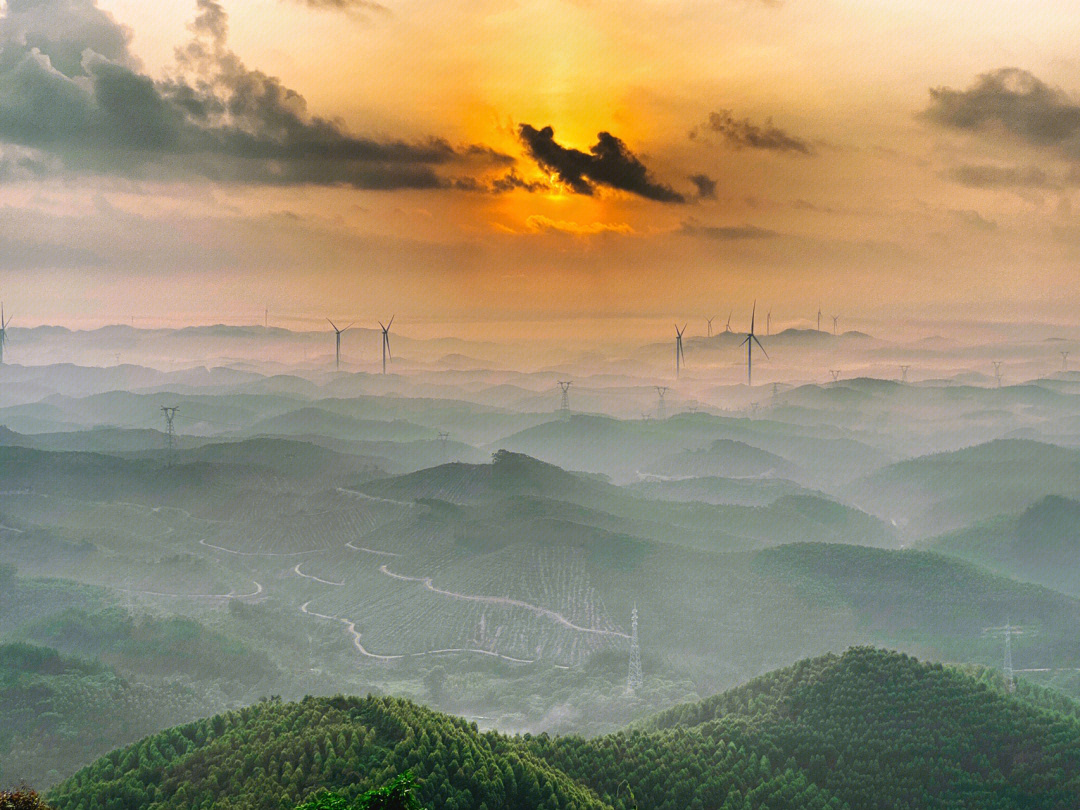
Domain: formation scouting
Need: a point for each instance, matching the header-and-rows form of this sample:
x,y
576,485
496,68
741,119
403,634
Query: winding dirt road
x,y
505,601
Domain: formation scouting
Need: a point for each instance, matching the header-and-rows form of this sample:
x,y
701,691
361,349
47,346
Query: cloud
x,y
992,176
538,223
214,119
726,232
361,6
607,163
706,186
973,219
746,134
1013,101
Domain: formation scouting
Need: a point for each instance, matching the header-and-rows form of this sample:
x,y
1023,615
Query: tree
x,y
399,794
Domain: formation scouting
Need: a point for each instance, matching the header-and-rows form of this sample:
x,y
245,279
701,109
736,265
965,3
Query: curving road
x,y
260,553
309,576
505,601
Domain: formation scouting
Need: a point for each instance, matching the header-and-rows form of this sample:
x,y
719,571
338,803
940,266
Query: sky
x,y
519,164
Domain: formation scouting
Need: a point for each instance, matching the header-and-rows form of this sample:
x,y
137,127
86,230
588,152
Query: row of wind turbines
x,y
749,341
768,323
386,354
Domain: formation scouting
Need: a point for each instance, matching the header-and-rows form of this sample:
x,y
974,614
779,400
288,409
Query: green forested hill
x,y
881,730
1039,545
271,755
866,729
56,710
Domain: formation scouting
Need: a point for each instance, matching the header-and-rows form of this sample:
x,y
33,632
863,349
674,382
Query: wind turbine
x,y
3,332
835,321
337,343
727,329
819,319
751,339
680,358
709,322
386,342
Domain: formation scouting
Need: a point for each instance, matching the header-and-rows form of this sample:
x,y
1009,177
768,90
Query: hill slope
x,y
868,729
1039,545
882,730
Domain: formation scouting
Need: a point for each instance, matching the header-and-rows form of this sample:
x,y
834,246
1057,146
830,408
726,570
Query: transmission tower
x,y
443,437
835,374
1007,631
903,373
634,679
661,411
170,434
564,408
997,372
1064,361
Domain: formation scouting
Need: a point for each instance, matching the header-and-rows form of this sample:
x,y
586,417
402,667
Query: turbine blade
x,y
753,314
391,320
758,342
332,324
350,326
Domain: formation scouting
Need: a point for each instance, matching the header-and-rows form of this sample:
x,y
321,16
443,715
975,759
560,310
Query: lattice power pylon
x,y
170,433
564,408
634,679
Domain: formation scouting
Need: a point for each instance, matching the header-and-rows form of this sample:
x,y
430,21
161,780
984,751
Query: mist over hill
x,y
448,534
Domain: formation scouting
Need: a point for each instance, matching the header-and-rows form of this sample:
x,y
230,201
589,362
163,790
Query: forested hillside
x,y
866,729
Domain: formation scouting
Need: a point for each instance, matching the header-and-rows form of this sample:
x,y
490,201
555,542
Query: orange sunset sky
x,y
536,160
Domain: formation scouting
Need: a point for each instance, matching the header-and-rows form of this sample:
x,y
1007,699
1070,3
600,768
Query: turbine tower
x,y
749,342
997,372
386,342
3,332
634,679
564,408
170,434
835,322
709,322
661,411
337,343
903,373
680,358
1065,361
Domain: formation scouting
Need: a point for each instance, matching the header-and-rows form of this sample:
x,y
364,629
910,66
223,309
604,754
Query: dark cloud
x,y
973,219
1013,101
743,133
216,118
706,186
991,176
607,163
727,232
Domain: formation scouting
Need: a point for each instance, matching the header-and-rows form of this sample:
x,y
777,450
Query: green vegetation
x,y
1040,545
57,711
866,729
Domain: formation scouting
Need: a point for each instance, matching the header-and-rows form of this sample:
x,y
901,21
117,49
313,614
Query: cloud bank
x,y
71,90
